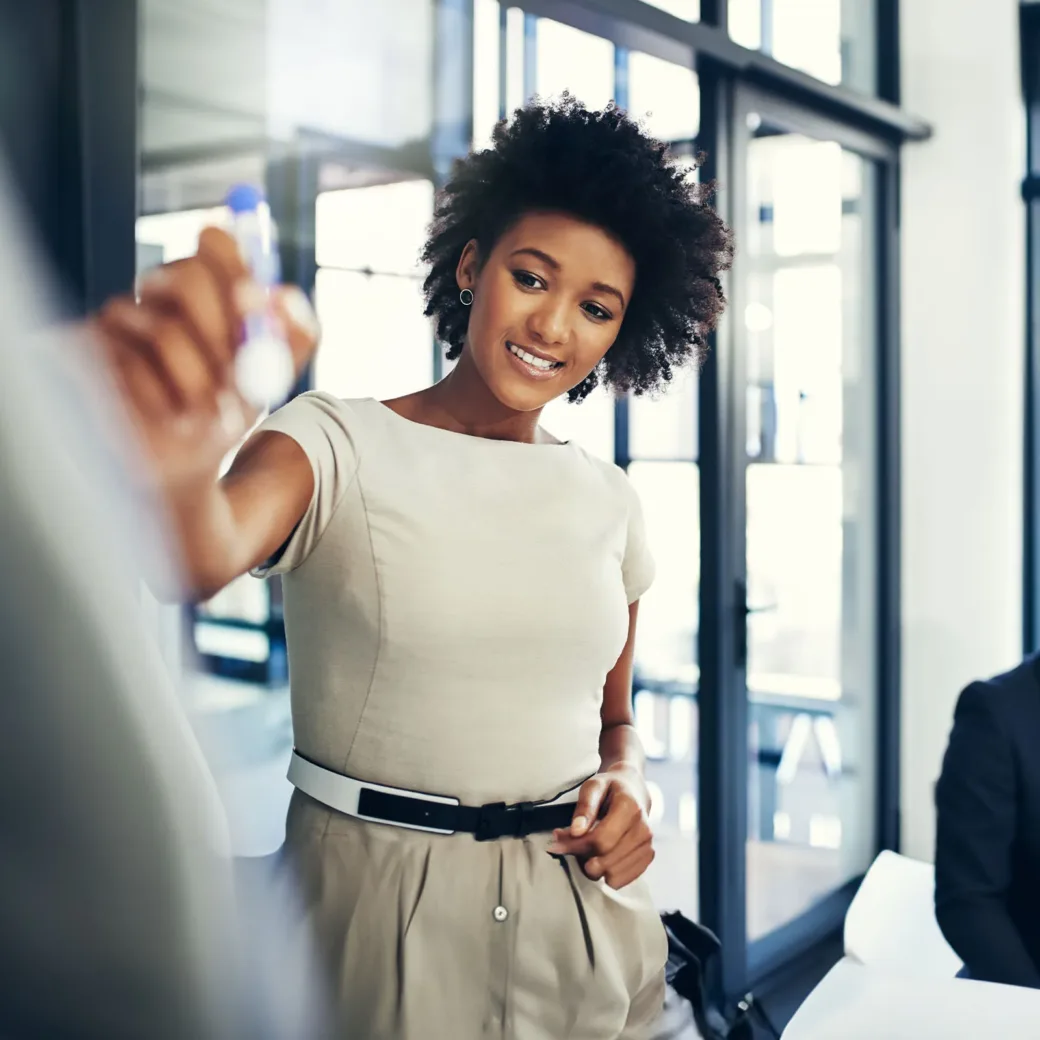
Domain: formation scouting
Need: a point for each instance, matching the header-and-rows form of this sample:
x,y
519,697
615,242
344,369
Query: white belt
x,y
344,794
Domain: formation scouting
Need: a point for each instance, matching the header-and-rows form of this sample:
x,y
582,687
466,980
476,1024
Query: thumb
x,y
586,812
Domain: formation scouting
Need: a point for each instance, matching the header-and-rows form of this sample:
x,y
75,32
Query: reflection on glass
x,y
796,807
319,54
811,535
569,59
832,40
227,73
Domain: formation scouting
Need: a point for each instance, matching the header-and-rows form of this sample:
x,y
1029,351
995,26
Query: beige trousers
x,y
429,936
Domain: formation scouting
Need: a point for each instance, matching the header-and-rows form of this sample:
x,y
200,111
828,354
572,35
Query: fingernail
x,y
555,849
249,297
299,310
579,825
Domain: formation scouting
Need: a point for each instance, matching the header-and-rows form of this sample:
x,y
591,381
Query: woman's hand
x,y
610,833
172,354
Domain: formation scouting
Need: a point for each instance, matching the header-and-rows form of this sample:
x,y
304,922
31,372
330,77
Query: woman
x,y
461,589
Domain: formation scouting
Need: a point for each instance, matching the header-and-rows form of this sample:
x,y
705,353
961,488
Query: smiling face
x,y
547,306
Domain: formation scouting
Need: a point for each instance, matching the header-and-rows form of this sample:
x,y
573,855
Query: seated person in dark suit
x,y
987,851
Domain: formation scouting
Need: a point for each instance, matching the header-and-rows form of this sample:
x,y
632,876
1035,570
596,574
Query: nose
x,y
550,322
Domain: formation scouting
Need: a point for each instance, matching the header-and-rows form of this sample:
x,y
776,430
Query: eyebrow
x,y
552,262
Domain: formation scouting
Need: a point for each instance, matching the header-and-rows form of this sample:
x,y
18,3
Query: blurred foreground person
x,y
118,917
987,849
461,588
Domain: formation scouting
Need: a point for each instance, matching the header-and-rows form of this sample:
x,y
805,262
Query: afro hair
x,y
604,169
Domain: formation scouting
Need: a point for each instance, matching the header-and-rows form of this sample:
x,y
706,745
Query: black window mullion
x,y
722,756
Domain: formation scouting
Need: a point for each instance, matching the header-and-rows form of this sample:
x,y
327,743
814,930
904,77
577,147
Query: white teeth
x,y
536,362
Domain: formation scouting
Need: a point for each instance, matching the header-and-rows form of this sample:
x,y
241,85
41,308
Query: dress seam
x,y
380,623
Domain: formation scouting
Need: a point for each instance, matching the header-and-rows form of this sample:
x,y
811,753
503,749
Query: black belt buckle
x,y
498,820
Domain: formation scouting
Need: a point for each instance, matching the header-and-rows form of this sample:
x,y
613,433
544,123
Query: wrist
x,y
631,774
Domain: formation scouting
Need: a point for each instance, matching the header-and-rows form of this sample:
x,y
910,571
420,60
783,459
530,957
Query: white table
x,y
854,1002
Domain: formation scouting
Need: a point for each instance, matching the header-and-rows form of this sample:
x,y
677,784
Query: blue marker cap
x,y
244,198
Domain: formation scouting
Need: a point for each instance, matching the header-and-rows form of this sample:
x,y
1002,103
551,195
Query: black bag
x,y
693,972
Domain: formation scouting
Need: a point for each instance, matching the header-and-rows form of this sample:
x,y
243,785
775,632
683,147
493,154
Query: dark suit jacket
x,y
987,855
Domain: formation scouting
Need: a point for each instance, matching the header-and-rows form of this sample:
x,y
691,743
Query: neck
x,y
462,402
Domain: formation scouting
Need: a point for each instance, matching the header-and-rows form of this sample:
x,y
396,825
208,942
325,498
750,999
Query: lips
x,y
533,358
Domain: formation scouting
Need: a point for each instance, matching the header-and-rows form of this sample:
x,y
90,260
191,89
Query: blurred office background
x,y
842,502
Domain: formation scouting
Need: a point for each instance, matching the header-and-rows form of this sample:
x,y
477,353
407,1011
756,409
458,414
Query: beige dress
x,y
452,607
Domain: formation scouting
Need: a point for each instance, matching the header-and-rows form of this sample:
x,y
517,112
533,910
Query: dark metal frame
x,y
76,167
1030,60
638,26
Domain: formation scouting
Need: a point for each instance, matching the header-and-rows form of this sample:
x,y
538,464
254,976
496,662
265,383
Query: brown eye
x,y
594,310
527,280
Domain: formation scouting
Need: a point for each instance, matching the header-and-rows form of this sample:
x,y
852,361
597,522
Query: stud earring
x,y
466,296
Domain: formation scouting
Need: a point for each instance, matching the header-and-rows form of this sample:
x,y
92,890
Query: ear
x,y
468,266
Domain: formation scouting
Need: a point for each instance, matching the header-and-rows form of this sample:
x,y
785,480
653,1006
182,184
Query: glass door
x,y
806,456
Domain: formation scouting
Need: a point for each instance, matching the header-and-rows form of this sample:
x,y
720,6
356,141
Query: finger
x,y
630,869
565,844
220,253
189,290
299,320
621,815
590,799
238,292
602,863
188,375
143,388
168,348
128,332
289,303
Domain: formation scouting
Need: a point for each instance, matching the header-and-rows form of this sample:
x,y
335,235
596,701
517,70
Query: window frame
x,y
876,125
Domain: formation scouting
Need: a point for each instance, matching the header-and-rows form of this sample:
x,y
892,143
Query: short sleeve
x,y
322,426
637,566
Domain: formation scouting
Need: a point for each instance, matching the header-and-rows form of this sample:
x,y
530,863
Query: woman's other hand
x,y
610,832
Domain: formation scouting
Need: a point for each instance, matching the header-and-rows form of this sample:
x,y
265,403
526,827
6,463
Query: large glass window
x,y
368,290
662,444
770,451
811,520
833,40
